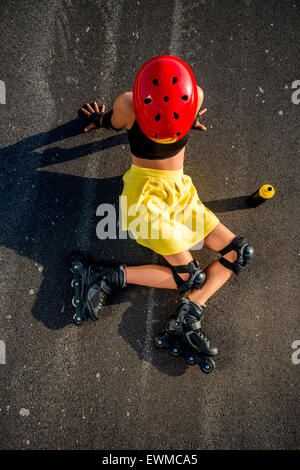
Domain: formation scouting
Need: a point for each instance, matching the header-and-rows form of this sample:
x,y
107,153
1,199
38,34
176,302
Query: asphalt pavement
x,y
105,386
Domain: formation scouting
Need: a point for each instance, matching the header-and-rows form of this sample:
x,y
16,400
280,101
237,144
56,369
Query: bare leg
x,y
150,275
216,274
153,275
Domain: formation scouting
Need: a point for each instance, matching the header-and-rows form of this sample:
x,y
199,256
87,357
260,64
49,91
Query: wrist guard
x,y
103,120
195,121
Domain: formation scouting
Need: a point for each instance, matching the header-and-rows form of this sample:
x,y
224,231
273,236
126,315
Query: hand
x,y
90,112
198,124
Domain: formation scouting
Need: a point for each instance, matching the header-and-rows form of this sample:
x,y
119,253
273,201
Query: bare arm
x,y
121,111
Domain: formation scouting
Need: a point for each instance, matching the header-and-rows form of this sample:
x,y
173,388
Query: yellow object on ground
x,y
266,191
162,210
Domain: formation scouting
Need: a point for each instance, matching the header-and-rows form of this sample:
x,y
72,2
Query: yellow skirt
x,y
162,210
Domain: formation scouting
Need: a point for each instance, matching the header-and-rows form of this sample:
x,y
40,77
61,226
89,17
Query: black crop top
x,y
143,147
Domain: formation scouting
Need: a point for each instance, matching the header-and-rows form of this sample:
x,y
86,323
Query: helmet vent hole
x,y
157,117
155,81
147,100
166,98
176,116
184,98
156,135
178,133
175,79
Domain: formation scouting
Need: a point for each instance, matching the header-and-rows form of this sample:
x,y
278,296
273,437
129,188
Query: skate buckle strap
x,y
196,325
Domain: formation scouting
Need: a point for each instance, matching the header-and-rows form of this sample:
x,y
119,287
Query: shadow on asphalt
x,y
52,231
230,204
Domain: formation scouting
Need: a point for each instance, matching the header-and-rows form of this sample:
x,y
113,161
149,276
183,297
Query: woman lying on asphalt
x,y
161,208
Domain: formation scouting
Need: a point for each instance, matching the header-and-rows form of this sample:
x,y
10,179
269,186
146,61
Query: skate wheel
x,y
175,351
190,360
75,266
75,302
79,320
208,367
74,283
158,342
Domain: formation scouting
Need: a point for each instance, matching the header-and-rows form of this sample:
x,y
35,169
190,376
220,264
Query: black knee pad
x,y
196,279
244,252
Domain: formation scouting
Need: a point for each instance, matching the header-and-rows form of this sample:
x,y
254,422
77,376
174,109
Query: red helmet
x,y
165,98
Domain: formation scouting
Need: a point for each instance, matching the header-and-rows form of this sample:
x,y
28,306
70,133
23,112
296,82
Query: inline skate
x,y
184,337
92,284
